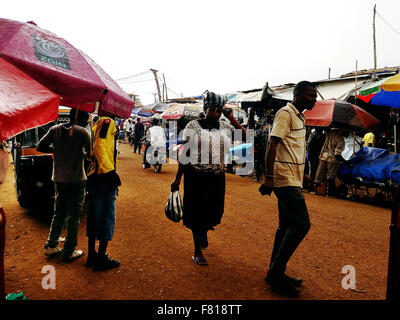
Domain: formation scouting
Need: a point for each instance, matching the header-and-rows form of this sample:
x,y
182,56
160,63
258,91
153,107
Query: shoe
x,y
91,260
74,255
295,281
282,285
201,261
105,263
51,252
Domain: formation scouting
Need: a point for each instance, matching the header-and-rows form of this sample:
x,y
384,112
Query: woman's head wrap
x,y
213,100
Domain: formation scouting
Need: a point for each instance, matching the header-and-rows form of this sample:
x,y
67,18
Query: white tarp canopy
x,y
339,89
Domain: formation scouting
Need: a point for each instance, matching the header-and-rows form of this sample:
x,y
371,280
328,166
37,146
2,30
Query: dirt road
x,y
155,253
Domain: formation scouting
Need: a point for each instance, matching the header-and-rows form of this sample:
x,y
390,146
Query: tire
x,y
157,168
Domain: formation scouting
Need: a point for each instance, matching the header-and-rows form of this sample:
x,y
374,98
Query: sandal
x,y
201,261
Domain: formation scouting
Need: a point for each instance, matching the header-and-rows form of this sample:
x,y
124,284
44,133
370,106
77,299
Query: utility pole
x,y
165,84
355,91
157,84
374,78
329,73
163,92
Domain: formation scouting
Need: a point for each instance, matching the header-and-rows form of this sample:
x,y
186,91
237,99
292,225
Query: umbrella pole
x,y
395,138
354,142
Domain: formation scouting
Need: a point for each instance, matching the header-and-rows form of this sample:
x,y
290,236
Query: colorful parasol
x,y
188,110
385,92
339,114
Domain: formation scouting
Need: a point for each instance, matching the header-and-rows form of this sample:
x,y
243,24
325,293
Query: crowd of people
x,y
281,162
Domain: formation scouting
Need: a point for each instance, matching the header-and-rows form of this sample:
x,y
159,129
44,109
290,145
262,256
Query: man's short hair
x,y
301,86
138,119
83,116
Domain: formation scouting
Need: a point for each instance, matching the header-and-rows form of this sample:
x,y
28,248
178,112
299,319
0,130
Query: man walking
x,y
284,162
138,132
69,143
103,182
314,146
330,160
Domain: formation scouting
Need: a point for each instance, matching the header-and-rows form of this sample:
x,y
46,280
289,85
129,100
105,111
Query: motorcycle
x,y
154,149
155,158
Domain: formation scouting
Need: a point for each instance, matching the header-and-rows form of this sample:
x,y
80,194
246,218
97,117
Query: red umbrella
x,y
24,103
62,68
339,114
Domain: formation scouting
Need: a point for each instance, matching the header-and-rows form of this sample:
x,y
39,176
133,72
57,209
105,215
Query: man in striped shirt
x,y
284,162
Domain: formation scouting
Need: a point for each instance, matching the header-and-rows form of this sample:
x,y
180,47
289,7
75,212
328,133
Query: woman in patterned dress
x,y
202,164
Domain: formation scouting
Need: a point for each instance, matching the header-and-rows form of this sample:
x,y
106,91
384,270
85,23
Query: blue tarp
x,y
372,165
242,151
137,112
368,154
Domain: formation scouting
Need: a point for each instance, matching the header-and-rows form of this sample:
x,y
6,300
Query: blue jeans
x,y
68,209
100,221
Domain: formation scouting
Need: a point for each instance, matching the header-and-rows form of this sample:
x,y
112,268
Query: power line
x,y
179,84
135,75
137,81
388,24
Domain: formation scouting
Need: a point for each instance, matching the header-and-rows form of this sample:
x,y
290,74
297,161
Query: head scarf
x,y
213,100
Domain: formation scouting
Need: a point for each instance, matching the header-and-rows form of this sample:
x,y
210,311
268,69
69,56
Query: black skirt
x,y
203,199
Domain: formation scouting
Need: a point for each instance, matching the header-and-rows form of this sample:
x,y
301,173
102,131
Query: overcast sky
x,y
222,46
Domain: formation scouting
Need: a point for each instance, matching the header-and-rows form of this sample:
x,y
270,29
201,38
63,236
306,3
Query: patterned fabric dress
x,y
204,183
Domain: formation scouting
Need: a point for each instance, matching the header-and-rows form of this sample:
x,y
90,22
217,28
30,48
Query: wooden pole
x,y
163,92
166,90
319,93
355,91
157,84
374,36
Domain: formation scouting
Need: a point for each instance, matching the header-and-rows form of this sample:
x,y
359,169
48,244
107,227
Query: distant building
x,y
136,98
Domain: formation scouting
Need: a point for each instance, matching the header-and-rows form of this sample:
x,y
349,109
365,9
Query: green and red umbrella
x,y
339,114
385,92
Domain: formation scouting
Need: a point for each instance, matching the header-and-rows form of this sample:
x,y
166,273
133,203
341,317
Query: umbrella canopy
x,y
385,92
158,107
24,103
62,68
177,111
339,114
